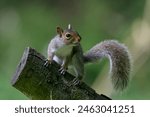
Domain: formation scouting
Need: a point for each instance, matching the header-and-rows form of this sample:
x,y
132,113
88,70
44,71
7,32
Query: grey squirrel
x,y
69,39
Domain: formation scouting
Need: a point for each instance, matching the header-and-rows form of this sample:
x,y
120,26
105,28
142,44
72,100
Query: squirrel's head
x,y
69,36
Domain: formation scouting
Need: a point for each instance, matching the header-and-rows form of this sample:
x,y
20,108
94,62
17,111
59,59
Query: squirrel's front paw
x,y
62,70
47,62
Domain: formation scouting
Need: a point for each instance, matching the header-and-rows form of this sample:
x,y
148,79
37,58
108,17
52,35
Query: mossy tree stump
x,y
36,81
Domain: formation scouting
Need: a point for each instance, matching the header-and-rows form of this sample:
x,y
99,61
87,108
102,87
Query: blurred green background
x,y
33,23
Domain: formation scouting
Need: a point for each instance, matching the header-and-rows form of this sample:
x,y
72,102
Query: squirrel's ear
x,y
69,27
59,31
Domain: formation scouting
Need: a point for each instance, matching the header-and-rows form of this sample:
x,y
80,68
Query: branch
x,y
36,81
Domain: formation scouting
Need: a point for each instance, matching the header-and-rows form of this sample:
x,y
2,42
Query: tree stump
x,y
37,81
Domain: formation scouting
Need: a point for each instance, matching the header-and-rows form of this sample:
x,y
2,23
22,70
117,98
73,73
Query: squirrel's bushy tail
x,y
119,58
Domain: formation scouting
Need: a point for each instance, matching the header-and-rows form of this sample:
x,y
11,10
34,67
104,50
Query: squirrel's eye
x,y
68,35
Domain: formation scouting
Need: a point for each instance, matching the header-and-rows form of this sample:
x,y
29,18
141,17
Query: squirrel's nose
x,y
78,39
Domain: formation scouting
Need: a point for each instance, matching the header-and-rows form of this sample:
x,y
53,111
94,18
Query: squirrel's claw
x,y
62,70
47,62
75,81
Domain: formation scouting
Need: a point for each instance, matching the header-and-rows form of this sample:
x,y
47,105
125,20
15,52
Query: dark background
x,y
24,23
